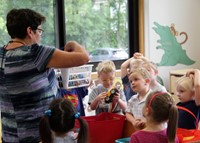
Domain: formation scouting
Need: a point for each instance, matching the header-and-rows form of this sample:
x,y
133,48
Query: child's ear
x,y
146,111
193,94
156,72
98,75
147,80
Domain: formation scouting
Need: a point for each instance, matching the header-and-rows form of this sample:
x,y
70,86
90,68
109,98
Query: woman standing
x,y
27,79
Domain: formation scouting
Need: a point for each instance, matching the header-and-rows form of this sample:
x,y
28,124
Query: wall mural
x,y
173,52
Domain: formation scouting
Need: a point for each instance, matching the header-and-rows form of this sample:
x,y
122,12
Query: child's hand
x,y
192,73
139,123
116,97
139,56
102,96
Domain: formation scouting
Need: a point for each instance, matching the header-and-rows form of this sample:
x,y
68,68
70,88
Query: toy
x,y
111,94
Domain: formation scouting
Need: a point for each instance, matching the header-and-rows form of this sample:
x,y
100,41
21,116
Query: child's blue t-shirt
x,y
79,92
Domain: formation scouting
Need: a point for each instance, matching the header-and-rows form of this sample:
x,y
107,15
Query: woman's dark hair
x,y
18,20
163,108
61,119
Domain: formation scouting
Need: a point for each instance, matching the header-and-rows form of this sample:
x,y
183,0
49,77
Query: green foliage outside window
x,y
93,23
96,25
43,7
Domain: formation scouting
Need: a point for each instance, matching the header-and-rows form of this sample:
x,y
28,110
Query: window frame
x,y
133,28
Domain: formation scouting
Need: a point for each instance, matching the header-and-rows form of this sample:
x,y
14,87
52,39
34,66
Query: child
x,y
58,122
138,60
153,70
76,96
140,81
186,94
159,109
126,67
106,74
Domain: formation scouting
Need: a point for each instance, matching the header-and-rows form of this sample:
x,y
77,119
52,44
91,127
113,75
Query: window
x,y
98,24
43,7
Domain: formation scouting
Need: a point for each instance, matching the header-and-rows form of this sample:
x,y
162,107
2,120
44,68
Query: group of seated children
x,y
143,100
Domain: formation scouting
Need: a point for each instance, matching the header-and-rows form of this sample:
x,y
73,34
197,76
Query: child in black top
x,y
185,92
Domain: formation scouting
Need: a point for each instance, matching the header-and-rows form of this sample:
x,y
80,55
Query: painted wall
x,y
164,21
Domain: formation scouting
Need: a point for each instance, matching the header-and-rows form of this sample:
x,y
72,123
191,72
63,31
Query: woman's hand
x,y
72,46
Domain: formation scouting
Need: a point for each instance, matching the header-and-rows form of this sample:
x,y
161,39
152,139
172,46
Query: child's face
x,y
107,79
184,95
138,83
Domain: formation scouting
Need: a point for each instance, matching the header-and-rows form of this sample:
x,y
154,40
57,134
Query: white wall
x,y
185,15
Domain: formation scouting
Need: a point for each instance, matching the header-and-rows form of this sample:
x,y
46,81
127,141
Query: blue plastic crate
x,y
123,140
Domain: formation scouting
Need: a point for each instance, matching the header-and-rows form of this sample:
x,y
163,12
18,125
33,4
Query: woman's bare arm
x,y
73,55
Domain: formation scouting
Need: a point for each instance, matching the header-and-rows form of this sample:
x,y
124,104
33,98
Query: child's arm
x,y
122,104
137,123
94,104
130,118
124,67
196,75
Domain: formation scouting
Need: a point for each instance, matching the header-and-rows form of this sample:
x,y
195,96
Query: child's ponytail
x,y
83,133
172,124
45,130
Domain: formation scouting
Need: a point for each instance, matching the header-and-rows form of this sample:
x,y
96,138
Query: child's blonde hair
x,y
151,65
136,63
185,82
143,71
106,66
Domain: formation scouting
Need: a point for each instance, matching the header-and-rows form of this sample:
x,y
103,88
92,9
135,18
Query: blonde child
x,y
138,60
153,70
159,109
106,74
185,92
139,80
59,120
126,67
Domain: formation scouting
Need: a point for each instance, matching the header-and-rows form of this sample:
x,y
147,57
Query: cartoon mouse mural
x,y
173,52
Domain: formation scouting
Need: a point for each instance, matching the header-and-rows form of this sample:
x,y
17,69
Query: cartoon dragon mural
x,y
173,52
